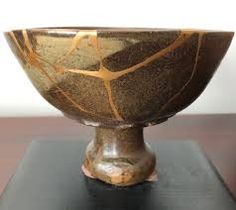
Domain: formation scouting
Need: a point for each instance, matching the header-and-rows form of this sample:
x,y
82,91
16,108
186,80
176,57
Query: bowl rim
x,y
74,29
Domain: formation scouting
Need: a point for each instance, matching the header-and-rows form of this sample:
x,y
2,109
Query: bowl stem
x,y
119,156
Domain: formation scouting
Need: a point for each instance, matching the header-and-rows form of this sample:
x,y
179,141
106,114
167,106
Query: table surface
x,y
215,133
49,177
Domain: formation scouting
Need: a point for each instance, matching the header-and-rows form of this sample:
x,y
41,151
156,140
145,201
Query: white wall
x,y
17,95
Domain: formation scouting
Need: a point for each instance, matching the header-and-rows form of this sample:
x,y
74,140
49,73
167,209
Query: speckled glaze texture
x,y
119,78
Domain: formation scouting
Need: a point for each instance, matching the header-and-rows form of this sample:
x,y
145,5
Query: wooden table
x,y
215,133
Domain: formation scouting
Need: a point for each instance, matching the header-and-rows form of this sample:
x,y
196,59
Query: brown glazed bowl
x,y
119,80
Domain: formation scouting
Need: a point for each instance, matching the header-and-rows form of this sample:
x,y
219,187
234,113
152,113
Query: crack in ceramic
x,y
33,59
193,72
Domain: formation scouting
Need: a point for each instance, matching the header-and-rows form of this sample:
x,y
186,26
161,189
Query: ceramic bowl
x,y
119,80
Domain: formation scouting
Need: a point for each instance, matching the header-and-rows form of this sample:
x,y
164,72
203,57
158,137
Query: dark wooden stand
x,y
50,178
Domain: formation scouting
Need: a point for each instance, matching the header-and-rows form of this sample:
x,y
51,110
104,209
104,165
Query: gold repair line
x,y
27,41
109,75
37,63
103,71
75,43
11,34
63,92
34,56
181,39
190,79
94,39
113,107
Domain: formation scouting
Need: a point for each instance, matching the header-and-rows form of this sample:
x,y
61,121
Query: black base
x,y
50,178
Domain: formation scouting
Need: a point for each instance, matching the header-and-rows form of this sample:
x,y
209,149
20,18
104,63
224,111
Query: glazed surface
x,y
119,77
119,156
